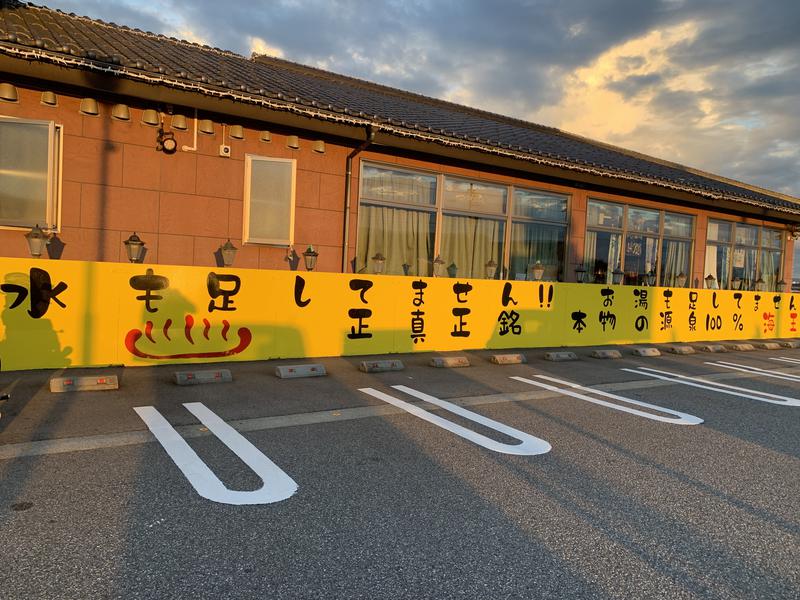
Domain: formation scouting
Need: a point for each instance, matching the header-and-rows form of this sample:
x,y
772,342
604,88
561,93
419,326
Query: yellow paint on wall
x,y
153,314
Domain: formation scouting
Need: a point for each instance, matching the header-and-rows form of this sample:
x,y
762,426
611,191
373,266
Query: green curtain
x,y
402,236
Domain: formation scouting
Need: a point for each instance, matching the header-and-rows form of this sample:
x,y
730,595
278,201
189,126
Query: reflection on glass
x,y
540,205
746,235
644,220
473,196
641,254
719,231
532,242
604,214
389,185
602,254
675,259
676,225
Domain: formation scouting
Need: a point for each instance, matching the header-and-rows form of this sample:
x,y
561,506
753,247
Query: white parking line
x,y
786,359
755,371
277,484
715,386
529,446
682,418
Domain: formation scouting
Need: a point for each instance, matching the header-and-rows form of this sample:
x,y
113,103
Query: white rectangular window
x,y
269,190
29,173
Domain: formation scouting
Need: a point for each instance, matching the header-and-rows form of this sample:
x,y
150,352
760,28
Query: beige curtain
x,y
402,236
468,243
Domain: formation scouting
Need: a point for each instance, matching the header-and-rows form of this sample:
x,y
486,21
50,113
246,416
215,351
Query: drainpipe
x,y
348,172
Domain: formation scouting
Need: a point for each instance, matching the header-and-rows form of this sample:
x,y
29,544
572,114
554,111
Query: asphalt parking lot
x,y
664,477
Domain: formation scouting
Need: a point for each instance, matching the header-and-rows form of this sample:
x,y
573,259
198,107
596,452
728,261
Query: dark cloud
x,y
513,57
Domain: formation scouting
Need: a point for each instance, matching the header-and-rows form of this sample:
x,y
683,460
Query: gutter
x,y
348,173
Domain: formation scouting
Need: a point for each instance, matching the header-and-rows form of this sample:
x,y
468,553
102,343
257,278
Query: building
x,y
107,131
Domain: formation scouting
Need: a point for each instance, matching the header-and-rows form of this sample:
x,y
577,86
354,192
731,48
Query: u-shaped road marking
x,y
677,418
277,485
529,446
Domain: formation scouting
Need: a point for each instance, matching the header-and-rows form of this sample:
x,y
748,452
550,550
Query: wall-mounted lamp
x,y
236,132
89,107
736,284
491,269
580,273
206,126
378,263
438,266
617,275
318,146
780,286
8,93
760,285
265,136
680,280
178,123
711,282
37,239
165,142
228,252
293,142
151,118
537,271
121,112
49,98
794,234
310,257
134,247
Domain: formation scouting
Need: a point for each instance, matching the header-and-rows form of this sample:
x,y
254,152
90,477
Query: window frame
x,y
55,158
247,238
759,248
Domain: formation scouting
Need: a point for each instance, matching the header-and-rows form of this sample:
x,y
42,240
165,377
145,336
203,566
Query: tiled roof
x,y
36,33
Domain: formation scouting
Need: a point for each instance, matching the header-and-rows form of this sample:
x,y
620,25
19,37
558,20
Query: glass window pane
x,y
676,225
472,196
540,205
641,256
604,214
24,157
746,234
675,260
403,236
642,219
744,266
602,255
771,238
468,243
388,185
271,200
718,262
532,242
770,268
719,231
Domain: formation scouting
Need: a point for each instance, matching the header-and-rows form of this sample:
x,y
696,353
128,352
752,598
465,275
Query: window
x,y
30,153
538,234
475,227
647,245
742,257
269,189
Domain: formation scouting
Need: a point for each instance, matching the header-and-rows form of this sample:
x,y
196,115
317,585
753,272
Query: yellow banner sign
x,y
67,313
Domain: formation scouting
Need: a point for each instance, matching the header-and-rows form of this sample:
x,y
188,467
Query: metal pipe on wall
x,y
348,172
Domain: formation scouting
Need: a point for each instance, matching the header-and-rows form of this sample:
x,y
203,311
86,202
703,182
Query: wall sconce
x,y
151,118
49,98
318,146
265,136
310,258
438,266
780,286
165,142
134,247
580,273
293,142
736,284
680,280
236,132
491,269
37,239
537,271
794,234
206,127
616,276
89,107
406,268
228,252
8,93
711,282
178,122
378,263
121,112
760,285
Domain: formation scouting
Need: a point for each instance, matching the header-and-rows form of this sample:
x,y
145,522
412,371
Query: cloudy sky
x,y
713,84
